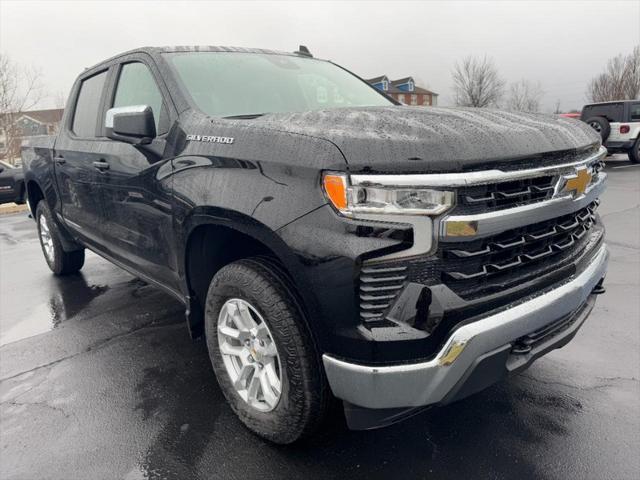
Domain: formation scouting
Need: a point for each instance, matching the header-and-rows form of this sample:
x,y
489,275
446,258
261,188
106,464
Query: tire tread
x,y
65,263
264,278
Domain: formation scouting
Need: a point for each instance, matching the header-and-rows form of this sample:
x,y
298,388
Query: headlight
x,y
354,199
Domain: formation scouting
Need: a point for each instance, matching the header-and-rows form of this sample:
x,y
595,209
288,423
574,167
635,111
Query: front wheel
x,y
634,153
262,352
59,261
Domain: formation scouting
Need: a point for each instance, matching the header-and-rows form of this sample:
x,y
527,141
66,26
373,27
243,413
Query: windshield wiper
x,y
246,115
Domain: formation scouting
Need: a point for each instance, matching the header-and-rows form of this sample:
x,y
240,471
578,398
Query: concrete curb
x,y
7,208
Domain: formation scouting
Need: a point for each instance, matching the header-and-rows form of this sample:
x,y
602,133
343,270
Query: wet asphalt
x,y
99,380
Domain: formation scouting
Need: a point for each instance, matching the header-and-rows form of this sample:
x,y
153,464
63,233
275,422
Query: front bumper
x,y
441,379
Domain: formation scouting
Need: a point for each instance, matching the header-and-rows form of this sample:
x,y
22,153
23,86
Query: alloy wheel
x,y
249,354
45,238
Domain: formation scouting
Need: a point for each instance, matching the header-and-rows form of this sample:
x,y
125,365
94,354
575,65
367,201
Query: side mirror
x,y
134,124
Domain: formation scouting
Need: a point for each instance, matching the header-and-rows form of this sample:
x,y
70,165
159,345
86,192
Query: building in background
x,y
14,127
405,91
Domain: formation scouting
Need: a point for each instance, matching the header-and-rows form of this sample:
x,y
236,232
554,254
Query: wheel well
x,y
209,248
34,194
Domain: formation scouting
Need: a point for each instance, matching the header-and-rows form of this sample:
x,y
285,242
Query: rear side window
x,y
85,117
136,86
635,112
614,112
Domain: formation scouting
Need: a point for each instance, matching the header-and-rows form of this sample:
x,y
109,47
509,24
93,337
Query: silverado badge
x,y
209,138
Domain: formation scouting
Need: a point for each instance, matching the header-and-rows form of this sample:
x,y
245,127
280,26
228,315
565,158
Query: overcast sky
x,y
560,44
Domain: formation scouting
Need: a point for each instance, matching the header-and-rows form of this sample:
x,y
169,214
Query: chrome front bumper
x,y
426,383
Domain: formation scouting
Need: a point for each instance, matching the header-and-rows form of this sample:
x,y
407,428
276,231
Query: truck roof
x,y
609,102
192,48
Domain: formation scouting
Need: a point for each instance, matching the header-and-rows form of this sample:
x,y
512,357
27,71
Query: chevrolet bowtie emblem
x,y
578,183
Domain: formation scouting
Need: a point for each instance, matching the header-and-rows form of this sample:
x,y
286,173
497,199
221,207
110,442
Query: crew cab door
x,y
135,181
77,150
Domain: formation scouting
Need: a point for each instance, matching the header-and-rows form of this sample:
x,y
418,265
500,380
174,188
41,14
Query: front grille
x,y
501,261
510,194
479,269
379,286
493,271
497,196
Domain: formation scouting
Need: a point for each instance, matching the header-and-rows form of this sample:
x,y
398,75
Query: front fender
x,y
273,193
296,274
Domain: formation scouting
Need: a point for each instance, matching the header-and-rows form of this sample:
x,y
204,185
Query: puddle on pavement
x,y
68,296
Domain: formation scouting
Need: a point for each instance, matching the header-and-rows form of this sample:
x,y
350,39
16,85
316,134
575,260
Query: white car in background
x,y
619,125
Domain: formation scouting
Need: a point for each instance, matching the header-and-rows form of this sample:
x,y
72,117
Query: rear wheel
x,y
262,353
634,153
59,261
600,125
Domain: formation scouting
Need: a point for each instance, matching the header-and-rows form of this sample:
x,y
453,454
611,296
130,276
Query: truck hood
x,y
421,140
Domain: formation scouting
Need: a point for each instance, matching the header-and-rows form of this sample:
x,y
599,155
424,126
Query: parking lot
x,y
99,379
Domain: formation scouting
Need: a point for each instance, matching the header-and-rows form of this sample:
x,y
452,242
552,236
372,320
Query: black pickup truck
x,y
11,184
327,241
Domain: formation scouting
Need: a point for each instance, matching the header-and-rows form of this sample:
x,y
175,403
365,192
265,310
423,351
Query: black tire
x,y
600,125
305,397
60,262
634,153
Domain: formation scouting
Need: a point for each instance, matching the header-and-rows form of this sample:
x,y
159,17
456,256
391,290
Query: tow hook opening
x,y
520,348
599,288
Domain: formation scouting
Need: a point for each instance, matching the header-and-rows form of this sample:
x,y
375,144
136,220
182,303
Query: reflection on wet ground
x,y
103,382
68,296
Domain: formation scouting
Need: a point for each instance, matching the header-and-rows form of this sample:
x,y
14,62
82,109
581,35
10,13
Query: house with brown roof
x,y
405,91
14,127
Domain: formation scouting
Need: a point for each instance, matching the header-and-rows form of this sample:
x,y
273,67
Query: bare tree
x,y
557,107
632,74
524,96
476,83
619,81
20,90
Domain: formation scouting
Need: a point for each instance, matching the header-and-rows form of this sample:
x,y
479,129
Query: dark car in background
x,y
11,184
618,123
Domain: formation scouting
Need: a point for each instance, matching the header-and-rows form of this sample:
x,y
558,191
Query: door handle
x,y
101,165
59,160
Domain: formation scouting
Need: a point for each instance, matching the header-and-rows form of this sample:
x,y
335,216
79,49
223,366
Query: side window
x,y
85,116
136,86
635,112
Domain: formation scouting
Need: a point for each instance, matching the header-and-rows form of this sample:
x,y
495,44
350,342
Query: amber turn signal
x,y
335,186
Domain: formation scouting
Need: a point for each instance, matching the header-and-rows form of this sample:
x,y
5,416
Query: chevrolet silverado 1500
x,y
327,241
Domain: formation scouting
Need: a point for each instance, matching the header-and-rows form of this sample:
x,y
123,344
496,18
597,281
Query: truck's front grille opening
x,y
488,272
498,269
498,196
379,286
496,263
515,193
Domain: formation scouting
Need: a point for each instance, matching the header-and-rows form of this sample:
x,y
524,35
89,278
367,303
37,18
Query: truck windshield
x,y
240,84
